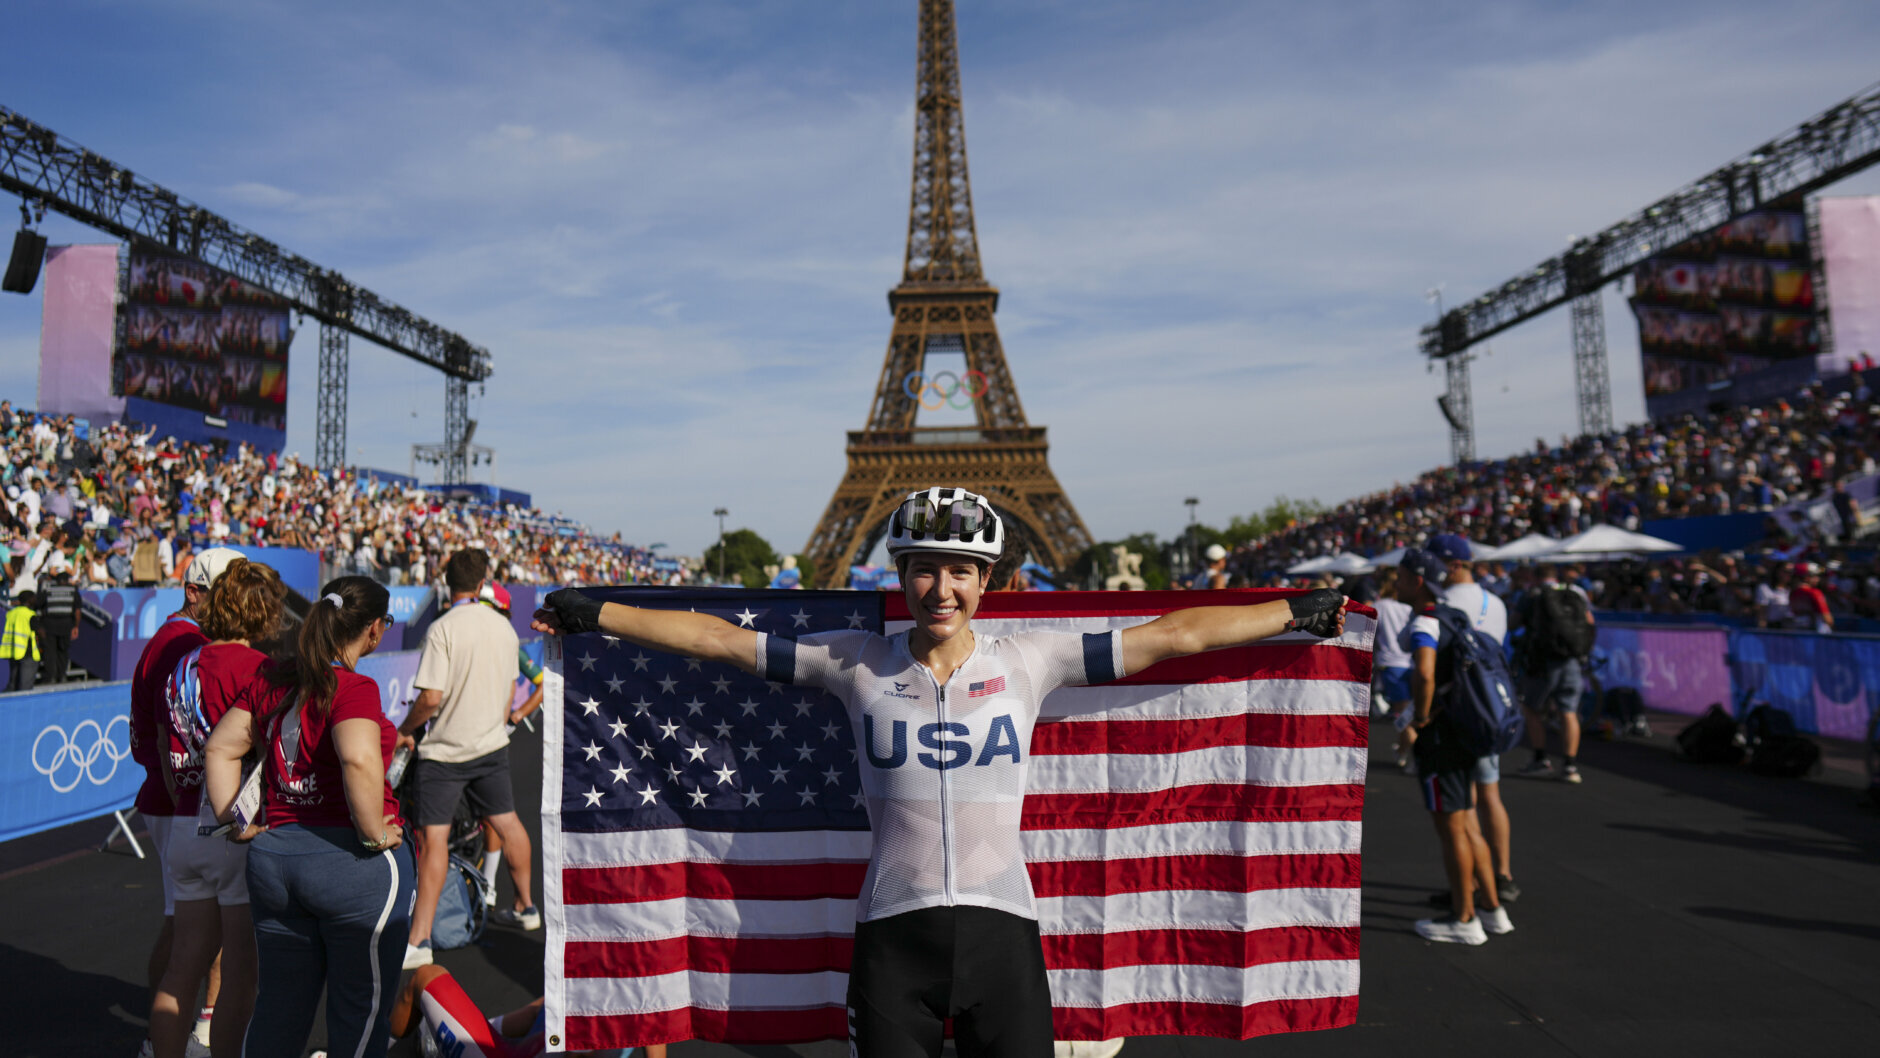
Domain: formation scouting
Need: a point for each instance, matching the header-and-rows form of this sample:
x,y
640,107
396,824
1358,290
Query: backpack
x,y
461,912
1479,696
1558,630
1776,748
183,694
1712,738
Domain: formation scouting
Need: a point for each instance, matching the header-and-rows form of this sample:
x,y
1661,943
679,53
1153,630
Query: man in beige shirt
x,y
466,679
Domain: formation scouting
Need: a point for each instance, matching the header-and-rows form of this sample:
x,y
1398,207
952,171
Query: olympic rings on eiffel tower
x,y
917,385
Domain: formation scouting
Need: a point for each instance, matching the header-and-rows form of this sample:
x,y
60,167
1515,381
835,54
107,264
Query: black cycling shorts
x,y
980,967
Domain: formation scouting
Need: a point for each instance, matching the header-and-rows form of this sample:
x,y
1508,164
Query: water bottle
x,y
397,770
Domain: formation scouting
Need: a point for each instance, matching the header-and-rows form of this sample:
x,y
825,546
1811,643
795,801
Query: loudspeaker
x,y
29,249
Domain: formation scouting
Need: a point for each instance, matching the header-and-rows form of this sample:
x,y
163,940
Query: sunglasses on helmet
x,y
959,519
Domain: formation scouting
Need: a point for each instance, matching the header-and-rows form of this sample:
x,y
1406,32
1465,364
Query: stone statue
x,y
1128,575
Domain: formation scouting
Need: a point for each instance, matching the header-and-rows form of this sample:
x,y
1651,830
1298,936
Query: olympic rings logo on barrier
x,y
917,385
83,759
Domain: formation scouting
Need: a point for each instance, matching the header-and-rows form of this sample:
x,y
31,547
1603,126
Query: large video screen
x,y
198,338
1732,304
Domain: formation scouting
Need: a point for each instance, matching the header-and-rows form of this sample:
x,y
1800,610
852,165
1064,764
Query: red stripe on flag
x,y
1205,1019
1211,803
1073,604
588,1032
1199,947
717,955
711,881
1233,874
1260,661
1068,951
1280,730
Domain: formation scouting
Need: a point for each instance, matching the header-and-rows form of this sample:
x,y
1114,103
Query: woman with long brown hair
x,y
210,875
328,879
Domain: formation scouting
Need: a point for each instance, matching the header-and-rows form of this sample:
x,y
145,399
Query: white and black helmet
x,y
951,521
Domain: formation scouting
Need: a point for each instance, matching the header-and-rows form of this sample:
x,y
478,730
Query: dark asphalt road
x,y
1668,909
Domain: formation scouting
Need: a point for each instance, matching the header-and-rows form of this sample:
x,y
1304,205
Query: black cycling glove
x,y
576,612
1315,612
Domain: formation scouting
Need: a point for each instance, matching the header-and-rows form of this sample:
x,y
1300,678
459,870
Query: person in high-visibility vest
x,y
18,646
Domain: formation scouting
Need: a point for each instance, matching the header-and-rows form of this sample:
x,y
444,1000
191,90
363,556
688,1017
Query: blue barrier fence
x,y
68,757
1830,685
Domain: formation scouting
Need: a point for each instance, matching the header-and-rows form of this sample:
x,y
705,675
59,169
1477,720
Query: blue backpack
x,y
1479,696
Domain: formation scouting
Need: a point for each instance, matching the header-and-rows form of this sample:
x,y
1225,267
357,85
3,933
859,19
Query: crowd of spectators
x,y
1748,459
129,509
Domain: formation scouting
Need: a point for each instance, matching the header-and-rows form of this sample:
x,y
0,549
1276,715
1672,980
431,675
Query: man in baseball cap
x,y
1214,574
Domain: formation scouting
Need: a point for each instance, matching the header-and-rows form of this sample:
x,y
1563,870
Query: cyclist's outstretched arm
x,y
695,635
1201,628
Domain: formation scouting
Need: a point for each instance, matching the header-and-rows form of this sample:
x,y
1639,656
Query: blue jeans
x,y
330,916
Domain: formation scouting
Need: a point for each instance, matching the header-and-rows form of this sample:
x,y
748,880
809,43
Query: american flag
x,y
1192,830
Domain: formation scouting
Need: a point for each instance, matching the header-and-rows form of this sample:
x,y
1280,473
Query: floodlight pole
x,y
720,512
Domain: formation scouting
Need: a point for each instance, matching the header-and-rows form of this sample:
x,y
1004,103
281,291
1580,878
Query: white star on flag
x,y
613,685
620,774
697,796
856,620
725,774
619,728
751,798
590,707
593,796
750,750
831,776
800,619
639,662
696,751
779,774
722,685
669,729
649,795
808,795
587,661
746,618
593,751
667,684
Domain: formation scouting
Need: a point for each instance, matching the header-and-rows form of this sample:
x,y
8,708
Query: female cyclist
x,y
329,882
947,926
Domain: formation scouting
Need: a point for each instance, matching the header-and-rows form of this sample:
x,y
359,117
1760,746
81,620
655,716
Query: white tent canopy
x,y
1604,543
1526,547
1311,565
1349,563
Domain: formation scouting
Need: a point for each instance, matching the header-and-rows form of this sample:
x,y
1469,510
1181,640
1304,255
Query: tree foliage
x,y
746,554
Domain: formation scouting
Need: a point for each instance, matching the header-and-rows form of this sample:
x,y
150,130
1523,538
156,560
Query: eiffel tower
x,y
944,305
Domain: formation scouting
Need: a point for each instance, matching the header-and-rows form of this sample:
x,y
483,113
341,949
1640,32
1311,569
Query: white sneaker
x,y
195,1048
417,955
1450,930
1494,920
527,919
146,1049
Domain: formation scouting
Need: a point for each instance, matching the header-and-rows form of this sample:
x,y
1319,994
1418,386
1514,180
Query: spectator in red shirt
x,y
1807,602
208,874
179,635
330,885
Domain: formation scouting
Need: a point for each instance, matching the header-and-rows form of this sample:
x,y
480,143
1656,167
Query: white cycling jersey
x,y
943,765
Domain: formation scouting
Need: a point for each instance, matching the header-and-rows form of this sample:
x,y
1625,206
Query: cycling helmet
x,y
951,521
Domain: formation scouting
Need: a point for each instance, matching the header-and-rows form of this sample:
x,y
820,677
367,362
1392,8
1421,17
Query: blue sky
x,y
674,224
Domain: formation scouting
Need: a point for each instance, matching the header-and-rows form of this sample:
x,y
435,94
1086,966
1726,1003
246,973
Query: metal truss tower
x,y
1591,372
454,467
39,165
329,447
1458,406
944,305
